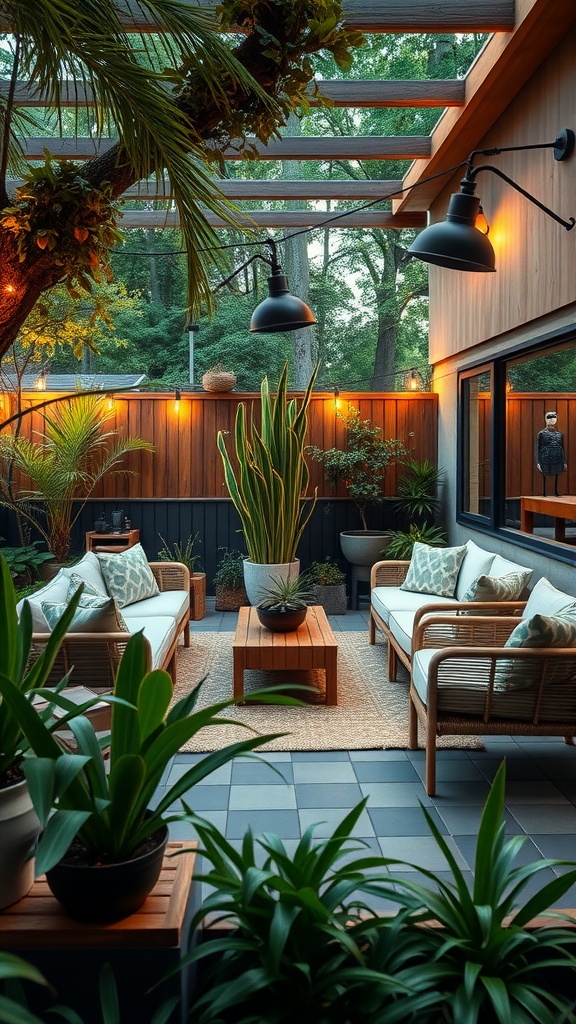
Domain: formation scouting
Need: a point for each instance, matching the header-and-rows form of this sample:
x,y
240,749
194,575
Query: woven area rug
x,y
372,713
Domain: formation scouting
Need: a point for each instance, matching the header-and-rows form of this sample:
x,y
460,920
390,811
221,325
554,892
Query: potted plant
x,y
185,553
19,825
418,502
73,454
104,830
283,605
229,582
329,585
24,562
270,482
361,467
401,542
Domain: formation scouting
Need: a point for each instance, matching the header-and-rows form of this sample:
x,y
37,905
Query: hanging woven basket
x,y
218,379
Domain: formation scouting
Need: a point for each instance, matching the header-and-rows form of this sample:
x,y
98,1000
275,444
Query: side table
x,y
111,542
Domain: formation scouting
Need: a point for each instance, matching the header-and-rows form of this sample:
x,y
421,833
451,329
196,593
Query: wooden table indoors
x,y
311,646
560,508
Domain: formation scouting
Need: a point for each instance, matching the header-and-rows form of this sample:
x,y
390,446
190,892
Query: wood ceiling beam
x,y
283,189
390,15
302,148
280,219
500,71
399,93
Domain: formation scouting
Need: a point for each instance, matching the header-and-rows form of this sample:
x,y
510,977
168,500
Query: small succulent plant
x,y
290,594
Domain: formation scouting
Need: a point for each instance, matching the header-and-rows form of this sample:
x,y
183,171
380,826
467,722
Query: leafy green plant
x,y
326,573
402,542
287,594
268,488
418,490
182,552
73,454
24,561
302,945
490,964
362,466
230,569
108,807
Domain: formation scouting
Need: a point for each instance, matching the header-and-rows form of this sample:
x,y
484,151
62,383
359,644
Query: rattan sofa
x,y
454,690
164,618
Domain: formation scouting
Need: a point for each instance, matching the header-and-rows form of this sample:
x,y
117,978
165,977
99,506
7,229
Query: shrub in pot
x,y
184,553
269,487
103,831
229,582
401,542
329,586
283,605
418,502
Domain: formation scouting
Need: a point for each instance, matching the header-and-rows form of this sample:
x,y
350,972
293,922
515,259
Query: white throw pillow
x,y
88,568
545,599
503,567
477,562
55,591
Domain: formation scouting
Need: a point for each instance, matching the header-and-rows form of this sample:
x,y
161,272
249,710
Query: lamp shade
x,y
281,311
456,242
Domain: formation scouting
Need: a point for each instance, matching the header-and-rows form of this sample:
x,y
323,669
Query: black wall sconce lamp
x,y
458,242
281,311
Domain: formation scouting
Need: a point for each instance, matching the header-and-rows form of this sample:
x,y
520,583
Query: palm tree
x,y
73,455
174,96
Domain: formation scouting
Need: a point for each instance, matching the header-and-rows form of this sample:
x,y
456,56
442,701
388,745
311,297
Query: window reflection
x,y
477,420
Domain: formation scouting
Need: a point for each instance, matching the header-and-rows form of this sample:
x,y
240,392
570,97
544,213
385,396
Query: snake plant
x,y
269,486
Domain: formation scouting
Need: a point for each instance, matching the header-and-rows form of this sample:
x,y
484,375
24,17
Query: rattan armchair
x,y
455,663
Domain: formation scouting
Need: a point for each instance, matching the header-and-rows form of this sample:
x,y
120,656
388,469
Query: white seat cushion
x,y
173,603
159,630
387,599
88,569
477,562
503,567
401,625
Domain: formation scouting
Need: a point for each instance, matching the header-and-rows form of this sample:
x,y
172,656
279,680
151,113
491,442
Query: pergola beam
x,y
374,147
283,219
365,93
389,15
283,189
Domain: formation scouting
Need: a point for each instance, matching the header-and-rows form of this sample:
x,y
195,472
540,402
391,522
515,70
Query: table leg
x,y
559,528
238,673
331,676
526,521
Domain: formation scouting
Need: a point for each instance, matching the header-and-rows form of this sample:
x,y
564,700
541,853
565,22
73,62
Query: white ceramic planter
x,y
19,831
363,547
259,577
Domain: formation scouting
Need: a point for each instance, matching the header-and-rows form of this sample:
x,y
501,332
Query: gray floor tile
x,y
442,754
319,771
220,777
528,854
533,793
543,819
517,769
378,755
404,821
453,770
249,773
395,794
421,851
328,818
466,820
460,793
183,830
557,846
557,768
203,798
385,771
546,747
343,794
284,823
320,755
246,798
568,789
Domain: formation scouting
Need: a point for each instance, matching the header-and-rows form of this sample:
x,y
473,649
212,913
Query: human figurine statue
x,y
550,455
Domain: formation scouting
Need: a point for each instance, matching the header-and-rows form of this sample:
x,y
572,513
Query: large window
x,y
511,476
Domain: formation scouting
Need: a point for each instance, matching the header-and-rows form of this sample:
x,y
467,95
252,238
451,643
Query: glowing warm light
x,y
481,223
40,382
414,380
336,399
110,403
10,289
177,397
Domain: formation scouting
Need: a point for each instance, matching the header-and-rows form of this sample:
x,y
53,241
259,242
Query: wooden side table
x,y
140,949
111,542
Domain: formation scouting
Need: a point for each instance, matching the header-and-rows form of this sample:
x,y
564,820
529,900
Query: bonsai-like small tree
x,y
362,465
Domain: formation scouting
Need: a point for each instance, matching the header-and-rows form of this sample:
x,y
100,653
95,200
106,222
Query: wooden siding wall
x,y
535,256
187,464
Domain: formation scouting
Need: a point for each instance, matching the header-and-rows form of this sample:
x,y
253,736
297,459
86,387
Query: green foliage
x,y
230,569
303,945
285,594
362,465
182,552
269,486
25,561
402,542
73,454
109,806
326,573
418,490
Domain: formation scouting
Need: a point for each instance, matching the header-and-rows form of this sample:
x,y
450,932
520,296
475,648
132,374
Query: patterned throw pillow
x,y
128,576
89,590
538,631
434,570
94,614
496,588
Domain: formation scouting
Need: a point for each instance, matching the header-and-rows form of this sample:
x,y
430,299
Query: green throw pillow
x,y
434,570
496,588
128,576
93,615
538,631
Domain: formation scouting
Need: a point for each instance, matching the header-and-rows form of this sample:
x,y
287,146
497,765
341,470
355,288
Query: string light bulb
x,y
336,398
177,397
414,380
110,403
40,382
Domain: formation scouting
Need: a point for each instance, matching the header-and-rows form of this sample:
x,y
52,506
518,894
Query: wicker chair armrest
x,y
463,631
92,657
388,573
495,654
171,575
503,608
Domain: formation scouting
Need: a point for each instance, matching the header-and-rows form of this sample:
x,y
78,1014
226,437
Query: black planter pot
x,y
108,892
281,622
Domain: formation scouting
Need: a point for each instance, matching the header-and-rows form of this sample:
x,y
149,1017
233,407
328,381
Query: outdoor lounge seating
x,y
94,653
397,611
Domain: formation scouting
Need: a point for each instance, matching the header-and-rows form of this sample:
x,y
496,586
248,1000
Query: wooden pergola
x,y
522,34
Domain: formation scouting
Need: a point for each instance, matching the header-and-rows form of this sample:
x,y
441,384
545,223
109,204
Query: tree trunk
x,y
298,271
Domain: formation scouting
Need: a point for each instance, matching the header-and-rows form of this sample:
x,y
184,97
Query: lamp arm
x,y
256,256
468,185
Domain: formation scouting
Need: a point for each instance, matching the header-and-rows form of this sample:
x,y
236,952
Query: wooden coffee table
x,y
311,646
